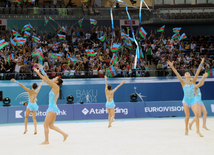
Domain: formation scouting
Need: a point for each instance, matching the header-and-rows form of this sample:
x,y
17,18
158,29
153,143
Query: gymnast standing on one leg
x,y
198,99
110,101
32,105
52,109
189,99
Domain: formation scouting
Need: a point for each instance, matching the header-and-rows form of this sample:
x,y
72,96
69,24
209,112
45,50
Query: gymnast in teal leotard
x,y
52,110
189,99
110,101
32,105
200,102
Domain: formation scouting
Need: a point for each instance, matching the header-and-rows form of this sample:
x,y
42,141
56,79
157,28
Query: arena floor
x,y
159,136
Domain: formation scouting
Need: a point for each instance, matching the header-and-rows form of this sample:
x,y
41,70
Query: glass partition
x,y
179,2
168,1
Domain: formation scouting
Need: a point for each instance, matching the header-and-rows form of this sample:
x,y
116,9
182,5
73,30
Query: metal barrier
x,y
98,74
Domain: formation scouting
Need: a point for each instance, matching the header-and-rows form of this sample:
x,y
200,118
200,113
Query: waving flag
x,y
56,55
17,1
113,59
161,29
181,48
46,21
63,37
26,34
104,48
129,46
15,33
124,35
73,60
31,1
142,32
63,29
13,43
131,39
36,39
50,18
80,22
93,21
175,36
19,39
9,58
26,27
90,52
176,29
84,1
111,71
21,42
115,47
183,36
30,26
102,38
141,53
3,43
39,53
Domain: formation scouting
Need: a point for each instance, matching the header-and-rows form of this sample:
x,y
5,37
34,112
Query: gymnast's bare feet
x,y
44,143
199,134
190,126
25,132
186,132
205,127
65,137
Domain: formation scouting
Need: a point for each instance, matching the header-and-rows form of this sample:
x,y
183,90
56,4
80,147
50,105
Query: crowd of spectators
x,y
157,50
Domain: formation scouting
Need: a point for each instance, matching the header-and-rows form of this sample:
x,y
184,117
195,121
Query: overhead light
x,y
70,99
133,97
6,102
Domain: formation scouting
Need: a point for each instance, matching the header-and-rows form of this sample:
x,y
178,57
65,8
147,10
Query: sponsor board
x,y
99,111
17,114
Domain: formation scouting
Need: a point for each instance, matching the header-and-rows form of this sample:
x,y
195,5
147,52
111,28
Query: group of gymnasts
x,y
192,98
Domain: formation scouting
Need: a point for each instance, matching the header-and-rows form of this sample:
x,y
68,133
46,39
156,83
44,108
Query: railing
x,y
67,13
98,74
175,2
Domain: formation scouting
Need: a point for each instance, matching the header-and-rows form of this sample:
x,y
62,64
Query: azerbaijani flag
x,y
50,18
36,39
142,32
124,35
26,27
141,53
31,1
39,53
3,43
115,47
13,43
21,43
175,36
63,29
104,48
26,34
55,55
183,36
19,39
17,1
161,29
11,56
113,59
181,48
46,21
73,60
15,33
131,39
63,37
102,38
129,46
111,71
80,22
176,29
90,52
93,21
84,1
210,71
30,26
